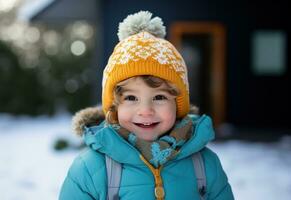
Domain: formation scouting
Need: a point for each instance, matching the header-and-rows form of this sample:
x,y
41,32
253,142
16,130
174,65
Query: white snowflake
x,y
125,58
143,54
161,58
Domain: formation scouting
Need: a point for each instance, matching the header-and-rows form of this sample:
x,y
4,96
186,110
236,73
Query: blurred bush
x,y
45,69
19,89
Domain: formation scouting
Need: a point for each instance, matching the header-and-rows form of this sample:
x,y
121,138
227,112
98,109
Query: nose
x,y
145,110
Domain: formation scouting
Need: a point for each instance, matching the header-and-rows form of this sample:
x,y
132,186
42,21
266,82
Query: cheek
x,y
123,114
169,114
170,118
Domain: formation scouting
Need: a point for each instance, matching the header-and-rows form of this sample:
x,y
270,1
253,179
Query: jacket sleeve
x,y
73,191
219,188
78,184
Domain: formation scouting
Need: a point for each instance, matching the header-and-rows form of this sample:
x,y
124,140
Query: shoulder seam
x,y
87,168
75,182
88,172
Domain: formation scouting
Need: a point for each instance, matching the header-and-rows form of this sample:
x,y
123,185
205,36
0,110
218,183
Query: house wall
x,y
64,11
252,101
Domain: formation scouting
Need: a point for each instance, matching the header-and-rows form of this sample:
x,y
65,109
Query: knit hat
x,y
143,51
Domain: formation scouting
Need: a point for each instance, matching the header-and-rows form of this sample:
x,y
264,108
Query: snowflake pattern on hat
x,y
143,46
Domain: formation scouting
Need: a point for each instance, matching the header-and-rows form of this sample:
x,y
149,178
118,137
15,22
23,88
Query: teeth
x,y
145,123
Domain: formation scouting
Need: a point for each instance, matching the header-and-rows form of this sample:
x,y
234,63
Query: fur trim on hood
x,y
94,115
87,117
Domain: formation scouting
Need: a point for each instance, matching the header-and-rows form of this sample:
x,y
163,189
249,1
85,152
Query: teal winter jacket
x,y
87,179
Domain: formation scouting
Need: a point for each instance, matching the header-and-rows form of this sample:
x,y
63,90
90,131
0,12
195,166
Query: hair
x,y
149,80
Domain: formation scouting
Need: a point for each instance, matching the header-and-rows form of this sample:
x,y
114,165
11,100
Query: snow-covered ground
x,y
31,169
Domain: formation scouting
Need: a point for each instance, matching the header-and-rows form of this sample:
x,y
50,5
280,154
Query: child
x,y
148,129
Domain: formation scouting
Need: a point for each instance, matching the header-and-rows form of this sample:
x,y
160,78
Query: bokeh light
x,y
78,48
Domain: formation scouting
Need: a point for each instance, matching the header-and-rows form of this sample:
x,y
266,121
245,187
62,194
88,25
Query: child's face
x,y
147,112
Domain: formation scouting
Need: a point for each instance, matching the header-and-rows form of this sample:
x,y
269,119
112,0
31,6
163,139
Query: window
x,y
269,53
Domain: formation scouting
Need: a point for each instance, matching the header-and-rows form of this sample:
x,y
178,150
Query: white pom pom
x,y
140,22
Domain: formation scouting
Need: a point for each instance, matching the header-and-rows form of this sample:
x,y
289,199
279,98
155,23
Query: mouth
x,y
147,124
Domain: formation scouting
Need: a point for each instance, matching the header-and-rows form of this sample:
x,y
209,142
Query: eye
x,y
160,97
130,98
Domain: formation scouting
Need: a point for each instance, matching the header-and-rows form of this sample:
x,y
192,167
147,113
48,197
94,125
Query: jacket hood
x,y
105,139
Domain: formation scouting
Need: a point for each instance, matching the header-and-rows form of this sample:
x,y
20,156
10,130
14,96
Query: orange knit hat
x,y
143,51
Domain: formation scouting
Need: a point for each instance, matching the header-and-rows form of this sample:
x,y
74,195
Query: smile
x,y
147,124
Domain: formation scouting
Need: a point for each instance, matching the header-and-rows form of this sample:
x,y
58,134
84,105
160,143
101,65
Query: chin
x,y
146,138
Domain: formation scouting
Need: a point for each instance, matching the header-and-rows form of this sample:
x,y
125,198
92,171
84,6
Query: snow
x,y
31,169
257,171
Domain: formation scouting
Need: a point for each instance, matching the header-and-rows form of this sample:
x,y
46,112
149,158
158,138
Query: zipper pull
x,y
159,192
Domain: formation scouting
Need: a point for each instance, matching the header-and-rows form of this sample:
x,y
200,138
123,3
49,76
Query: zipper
x,y
159,189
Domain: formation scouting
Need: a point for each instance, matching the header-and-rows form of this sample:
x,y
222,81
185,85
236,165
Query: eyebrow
x,y
127,90
164,90
123,90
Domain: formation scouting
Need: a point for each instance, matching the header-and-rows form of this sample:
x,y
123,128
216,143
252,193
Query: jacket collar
x,y
106,140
